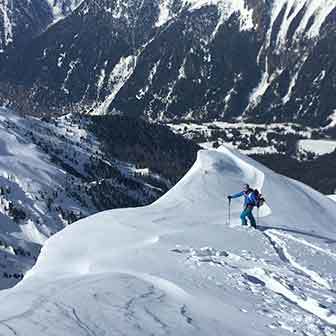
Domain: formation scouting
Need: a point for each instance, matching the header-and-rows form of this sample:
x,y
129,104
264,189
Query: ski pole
x,y
229,214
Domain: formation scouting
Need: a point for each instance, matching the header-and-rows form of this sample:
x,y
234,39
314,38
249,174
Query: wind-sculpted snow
x,y
177,267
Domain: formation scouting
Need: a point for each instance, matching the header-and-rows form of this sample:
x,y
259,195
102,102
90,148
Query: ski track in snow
x,y
256,272
308,244
284,255
309,304
259,273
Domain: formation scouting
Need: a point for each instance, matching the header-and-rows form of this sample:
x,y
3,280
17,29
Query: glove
x,y
229,198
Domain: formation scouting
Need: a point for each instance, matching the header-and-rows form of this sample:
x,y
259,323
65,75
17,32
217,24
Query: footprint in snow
x,y
202,252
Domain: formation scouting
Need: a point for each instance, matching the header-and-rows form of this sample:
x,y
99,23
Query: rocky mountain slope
x,y
22,20
168,59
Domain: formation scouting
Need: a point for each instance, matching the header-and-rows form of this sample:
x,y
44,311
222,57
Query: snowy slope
x,y
53,173
29,169
29,181
176,267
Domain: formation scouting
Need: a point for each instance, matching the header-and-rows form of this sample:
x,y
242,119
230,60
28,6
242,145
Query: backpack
x,y
259,197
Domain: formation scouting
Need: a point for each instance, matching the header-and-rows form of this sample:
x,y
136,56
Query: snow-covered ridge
x,y
178,267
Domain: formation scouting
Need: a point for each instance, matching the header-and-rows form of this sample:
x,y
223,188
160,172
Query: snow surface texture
x,y
333,197
177,267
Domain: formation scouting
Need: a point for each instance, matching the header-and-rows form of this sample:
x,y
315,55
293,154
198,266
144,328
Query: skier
x,y
250,201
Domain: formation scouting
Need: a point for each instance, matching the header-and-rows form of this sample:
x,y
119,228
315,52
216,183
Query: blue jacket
x,y
250,199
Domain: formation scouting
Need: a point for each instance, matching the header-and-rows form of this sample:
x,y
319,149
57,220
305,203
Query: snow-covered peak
x,y
178,267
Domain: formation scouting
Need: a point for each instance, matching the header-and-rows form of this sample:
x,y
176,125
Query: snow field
x,y
177,267
318,147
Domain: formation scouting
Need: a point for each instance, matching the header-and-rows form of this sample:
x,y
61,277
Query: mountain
x,y
22,20
176,266
54,172
175,59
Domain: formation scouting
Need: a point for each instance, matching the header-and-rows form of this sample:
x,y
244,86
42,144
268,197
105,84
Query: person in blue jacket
x,y
250,201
